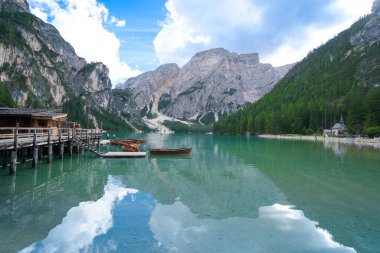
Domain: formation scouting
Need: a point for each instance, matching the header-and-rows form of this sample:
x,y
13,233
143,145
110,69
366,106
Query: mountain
x,y
342,77
38,68
212,84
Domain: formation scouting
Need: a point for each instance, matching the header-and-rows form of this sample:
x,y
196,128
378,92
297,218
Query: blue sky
x,y
134,36
142,25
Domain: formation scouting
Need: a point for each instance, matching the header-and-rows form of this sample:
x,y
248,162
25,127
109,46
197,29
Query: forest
x,y
333,80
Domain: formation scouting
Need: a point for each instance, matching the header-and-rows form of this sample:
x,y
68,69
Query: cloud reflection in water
x,y
278,228
84,222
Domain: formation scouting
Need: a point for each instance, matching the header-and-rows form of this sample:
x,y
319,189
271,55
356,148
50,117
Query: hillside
x,y
38,68
342,77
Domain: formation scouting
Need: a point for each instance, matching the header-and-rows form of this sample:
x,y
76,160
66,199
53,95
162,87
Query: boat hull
x,y
170,151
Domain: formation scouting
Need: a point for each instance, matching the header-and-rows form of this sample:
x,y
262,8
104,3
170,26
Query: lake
x,y
232,194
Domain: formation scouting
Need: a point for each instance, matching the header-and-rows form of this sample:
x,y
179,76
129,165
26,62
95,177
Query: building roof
x,y
340,126
33,112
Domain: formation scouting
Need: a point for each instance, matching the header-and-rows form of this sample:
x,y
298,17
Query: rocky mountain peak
x,y
371,31
216,55
14,6
376,6
249,59
169,68
212,52
213,83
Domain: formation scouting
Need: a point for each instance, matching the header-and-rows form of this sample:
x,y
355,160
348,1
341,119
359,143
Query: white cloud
x,y
184,32
296,47
117,22
282,32
82,24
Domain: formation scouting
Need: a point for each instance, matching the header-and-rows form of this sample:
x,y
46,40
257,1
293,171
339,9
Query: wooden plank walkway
x,y
19,141
28,137
13,140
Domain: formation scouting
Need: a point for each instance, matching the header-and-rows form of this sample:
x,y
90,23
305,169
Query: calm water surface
x,y
232,194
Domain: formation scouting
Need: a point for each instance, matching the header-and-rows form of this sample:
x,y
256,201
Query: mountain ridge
x,y
213,83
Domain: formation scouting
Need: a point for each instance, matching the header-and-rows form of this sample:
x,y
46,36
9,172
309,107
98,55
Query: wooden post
x,y
70,146
13,167
24,154
80,140
35,149
5,159
50,147
99,136
40,152
69,143
61,150
61,147
87,140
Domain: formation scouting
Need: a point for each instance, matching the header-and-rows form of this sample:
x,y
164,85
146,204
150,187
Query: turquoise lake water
x,y
232,194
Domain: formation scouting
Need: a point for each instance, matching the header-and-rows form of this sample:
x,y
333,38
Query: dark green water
x,y
232,194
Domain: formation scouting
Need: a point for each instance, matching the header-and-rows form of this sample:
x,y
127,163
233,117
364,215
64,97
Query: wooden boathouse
x,y
28,132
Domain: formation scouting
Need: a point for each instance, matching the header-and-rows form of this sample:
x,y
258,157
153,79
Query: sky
x,y
134,36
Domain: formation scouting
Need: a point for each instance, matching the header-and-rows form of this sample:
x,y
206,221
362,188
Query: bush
x,y
5,97
372,131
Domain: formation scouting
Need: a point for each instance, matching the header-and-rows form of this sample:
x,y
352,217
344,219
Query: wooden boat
x,y
117,141
139,141
120,141
170,151
127,148
131,147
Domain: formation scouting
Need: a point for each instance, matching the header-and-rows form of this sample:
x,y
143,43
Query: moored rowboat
x,y
121,141
117,141
139,141
130,147
170,151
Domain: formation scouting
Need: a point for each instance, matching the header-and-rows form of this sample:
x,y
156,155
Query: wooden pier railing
x,y
17,139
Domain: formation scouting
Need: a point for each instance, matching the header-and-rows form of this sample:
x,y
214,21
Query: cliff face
x,y
217,82
371,31
40,69
14,6
213,83
147,88
366,42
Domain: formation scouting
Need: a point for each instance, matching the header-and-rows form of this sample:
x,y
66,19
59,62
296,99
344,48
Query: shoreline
x,y
374,142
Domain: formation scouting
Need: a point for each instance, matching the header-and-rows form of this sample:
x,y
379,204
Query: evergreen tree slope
x,y
342,77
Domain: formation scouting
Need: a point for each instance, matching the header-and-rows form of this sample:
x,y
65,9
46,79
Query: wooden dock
x,y
21,141
24,142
